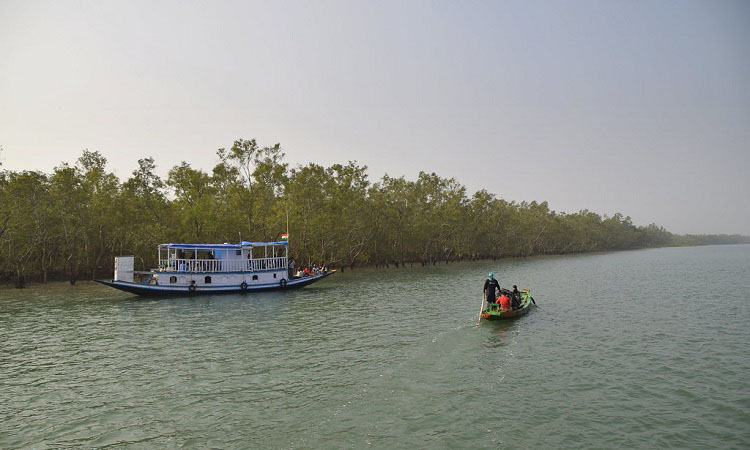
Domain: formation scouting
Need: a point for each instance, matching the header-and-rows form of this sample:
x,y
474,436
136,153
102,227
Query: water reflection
x,y
500,332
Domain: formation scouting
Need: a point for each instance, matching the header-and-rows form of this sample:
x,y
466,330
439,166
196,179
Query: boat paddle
x,y
481,307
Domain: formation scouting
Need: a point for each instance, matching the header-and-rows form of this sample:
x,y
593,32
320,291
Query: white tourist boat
x,y
212,269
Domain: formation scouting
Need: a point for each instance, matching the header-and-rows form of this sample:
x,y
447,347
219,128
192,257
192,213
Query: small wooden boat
x,y
494,312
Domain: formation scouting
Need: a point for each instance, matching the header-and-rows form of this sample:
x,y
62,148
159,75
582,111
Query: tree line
x,y
69,224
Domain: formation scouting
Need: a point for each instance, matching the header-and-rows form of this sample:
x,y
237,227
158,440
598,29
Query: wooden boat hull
x,y
493,312
166,290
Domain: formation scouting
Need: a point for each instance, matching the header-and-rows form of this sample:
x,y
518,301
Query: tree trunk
x,y
20,280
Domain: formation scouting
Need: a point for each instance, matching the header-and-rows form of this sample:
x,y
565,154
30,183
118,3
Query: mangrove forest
x,y
69,224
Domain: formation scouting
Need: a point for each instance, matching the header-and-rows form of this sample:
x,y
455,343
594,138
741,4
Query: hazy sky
x,y
641,107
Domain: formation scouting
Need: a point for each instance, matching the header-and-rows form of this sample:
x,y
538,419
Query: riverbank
x,y
57,283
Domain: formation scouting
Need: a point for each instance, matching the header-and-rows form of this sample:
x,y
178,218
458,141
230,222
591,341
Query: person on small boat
x,y
503,301
490,285
515,300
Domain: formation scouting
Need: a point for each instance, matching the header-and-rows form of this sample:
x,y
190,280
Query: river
x,y
633,349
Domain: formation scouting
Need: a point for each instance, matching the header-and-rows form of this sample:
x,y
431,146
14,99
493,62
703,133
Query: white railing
x,y
222,265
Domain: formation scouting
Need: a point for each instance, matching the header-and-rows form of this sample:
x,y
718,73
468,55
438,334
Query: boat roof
x,y
243,244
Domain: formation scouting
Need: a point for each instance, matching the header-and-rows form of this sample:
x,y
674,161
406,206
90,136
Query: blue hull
x,y
166,290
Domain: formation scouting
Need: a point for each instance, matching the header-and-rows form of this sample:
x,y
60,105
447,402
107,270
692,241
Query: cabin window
x,y
173,279
274,275
255,277
238,252
208,280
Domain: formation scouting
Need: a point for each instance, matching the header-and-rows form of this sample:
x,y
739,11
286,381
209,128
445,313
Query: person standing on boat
x,y
292,265
490,285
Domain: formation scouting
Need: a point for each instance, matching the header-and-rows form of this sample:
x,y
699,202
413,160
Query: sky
x,y
638,107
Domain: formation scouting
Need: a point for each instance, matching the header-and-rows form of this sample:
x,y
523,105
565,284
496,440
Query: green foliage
x,y
69,224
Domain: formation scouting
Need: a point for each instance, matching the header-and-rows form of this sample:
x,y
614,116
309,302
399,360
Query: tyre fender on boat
x,y
283,282
243,286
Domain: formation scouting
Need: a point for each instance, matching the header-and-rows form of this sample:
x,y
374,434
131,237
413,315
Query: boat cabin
x,y
242,257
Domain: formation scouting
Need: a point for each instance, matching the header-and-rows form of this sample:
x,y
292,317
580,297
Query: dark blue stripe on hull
x,y
165,291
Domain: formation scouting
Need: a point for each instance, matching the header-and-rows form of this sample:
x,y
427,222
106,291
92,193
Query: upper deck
x,y
212,258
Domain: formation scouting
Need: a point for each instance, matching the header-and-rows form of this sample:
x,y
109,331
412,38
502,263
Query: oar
x,y
481,307
532,299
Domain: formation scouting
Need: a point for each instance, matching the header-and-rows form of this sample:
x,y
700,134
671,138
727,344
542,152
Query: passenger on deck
x,y
490,285
307,272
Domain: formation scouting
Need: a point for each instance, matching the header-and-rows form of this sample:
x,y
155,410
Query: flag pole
x,y
287,236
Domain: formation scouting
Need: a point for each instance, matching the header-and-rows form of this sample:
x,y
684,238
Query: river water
x,y
635,349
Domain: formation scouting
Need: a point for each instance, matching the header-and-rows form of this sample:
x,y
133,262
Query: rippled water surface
x,y
637,349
